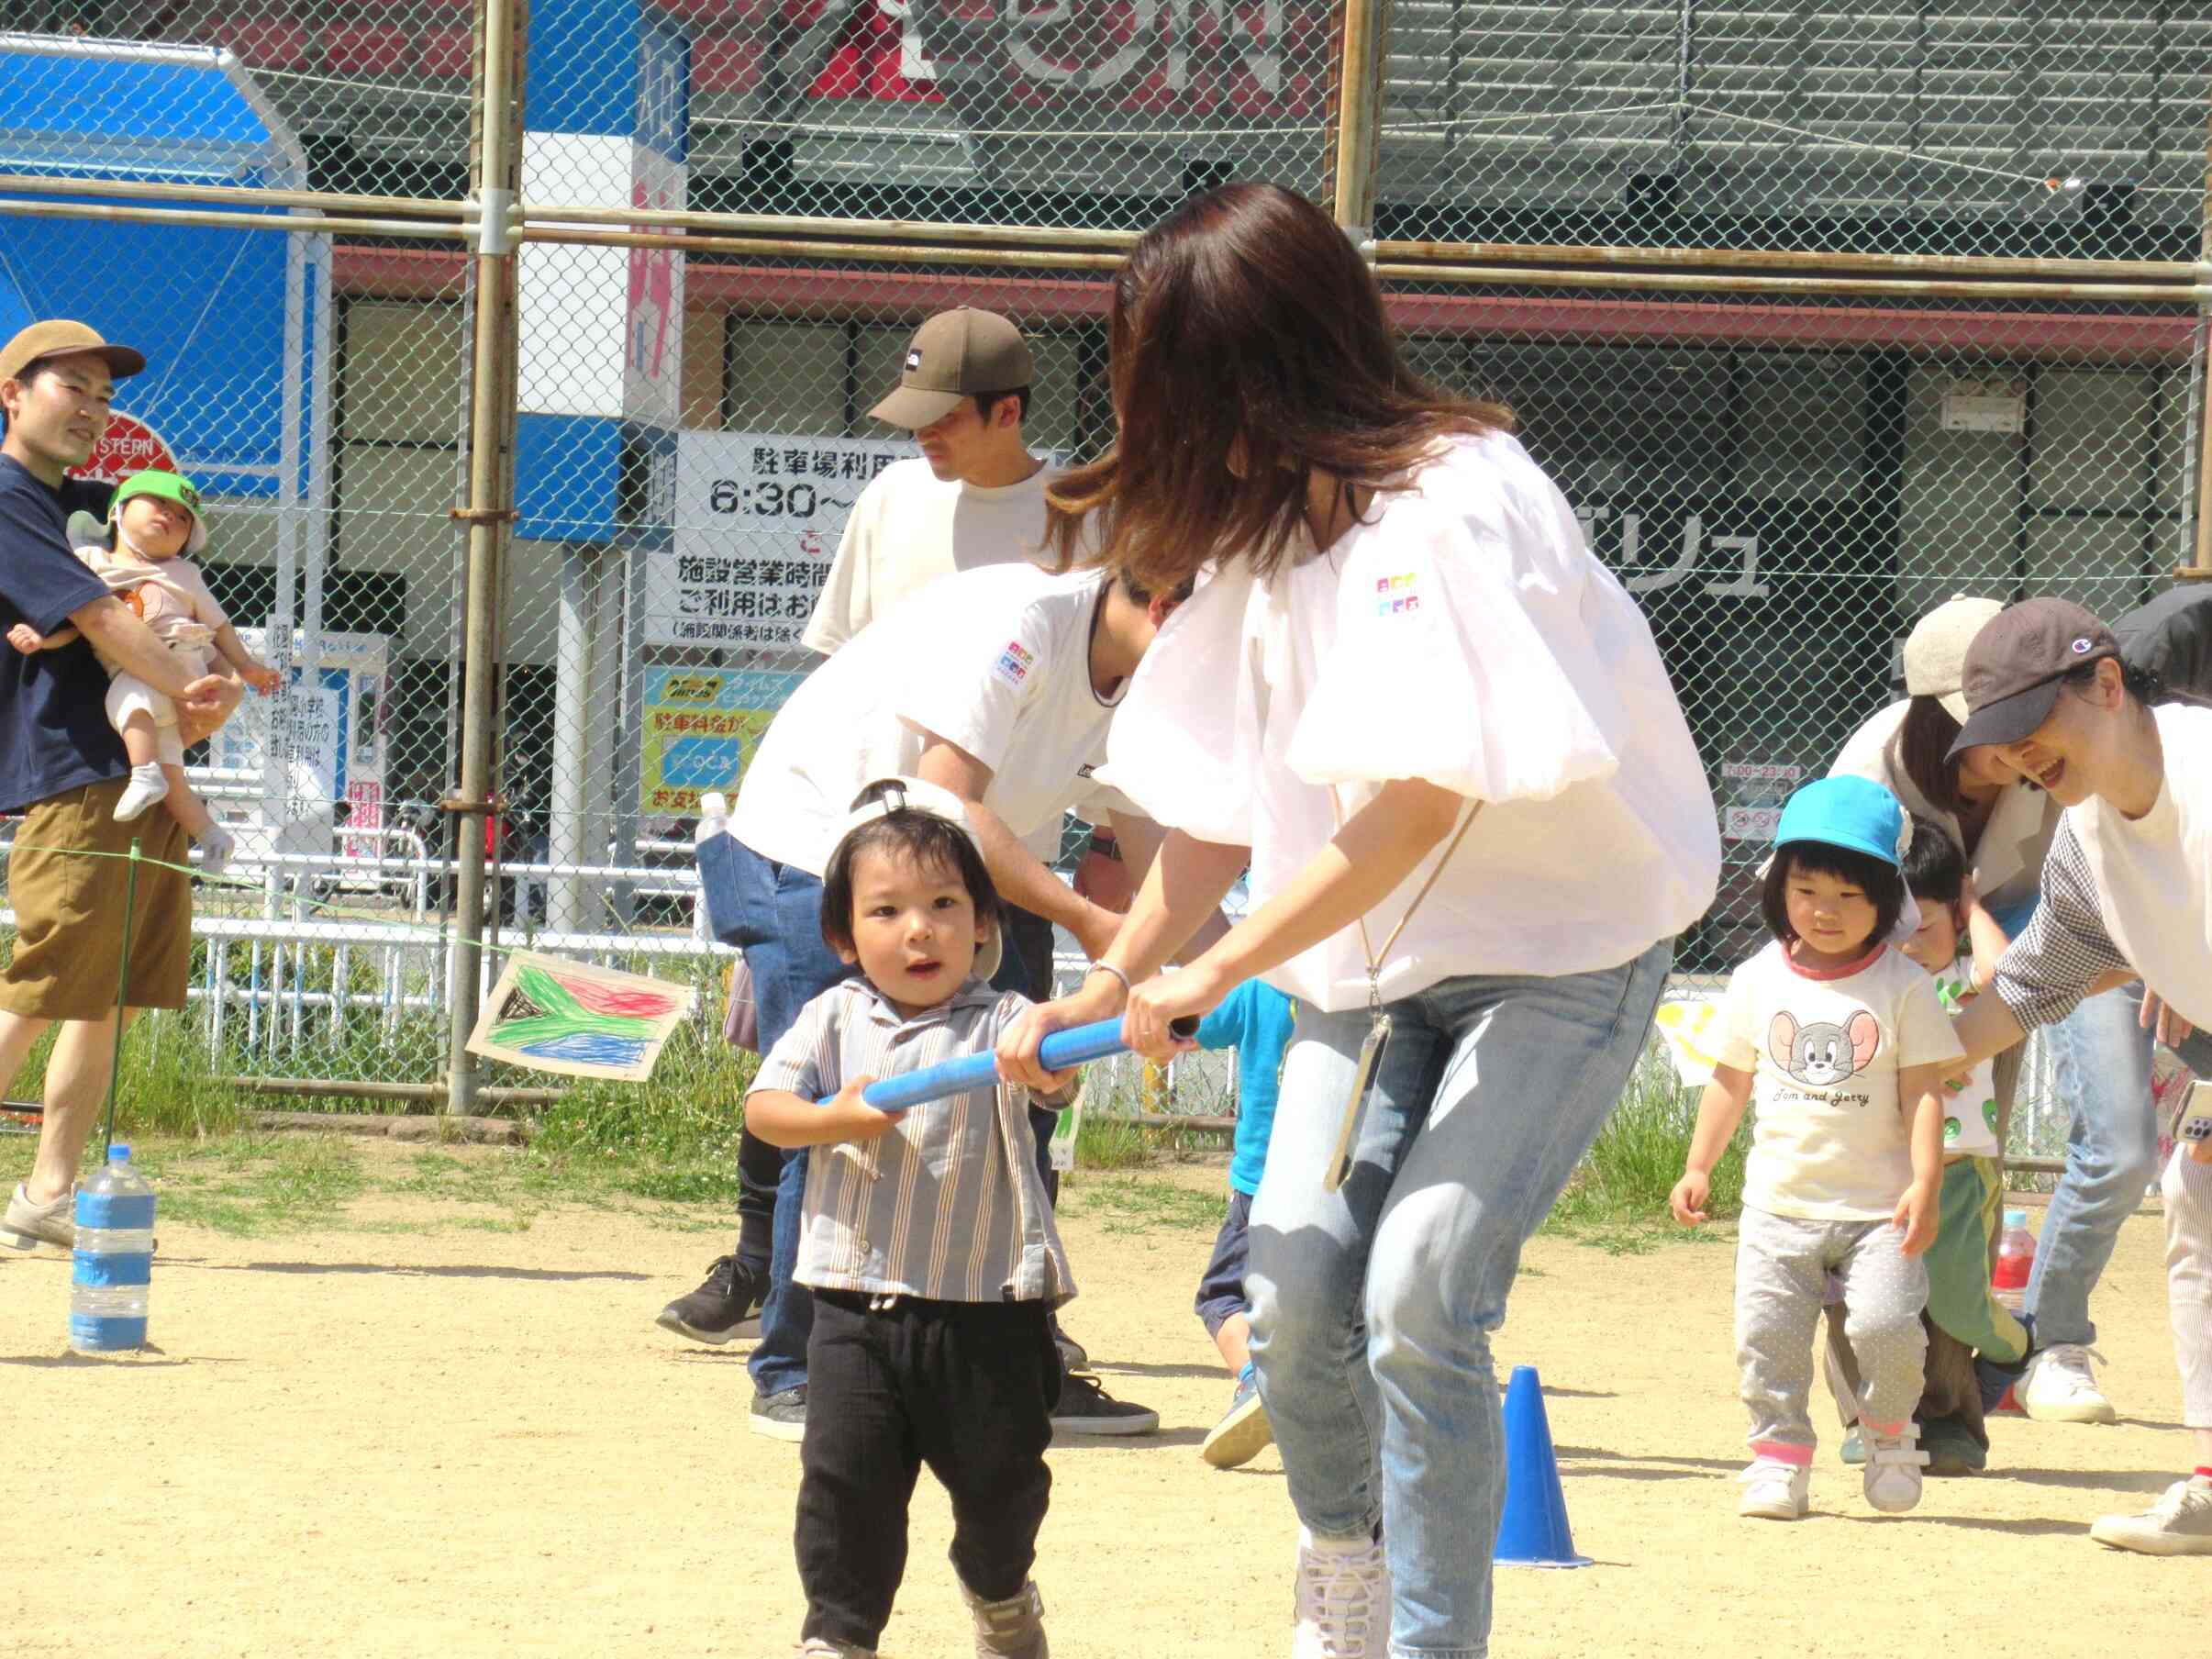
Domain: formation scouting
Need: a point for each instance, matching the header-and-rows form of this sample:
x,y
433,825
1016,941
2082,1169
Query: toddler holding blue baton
x,y
927,1239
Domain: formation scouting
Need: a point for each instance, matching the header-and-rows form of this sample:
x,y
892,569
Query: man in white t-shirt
x,y
975,496
998,683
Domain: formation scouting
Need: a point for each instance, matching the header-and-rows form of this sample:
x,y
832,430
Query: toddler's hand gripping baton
x,y
1056,1054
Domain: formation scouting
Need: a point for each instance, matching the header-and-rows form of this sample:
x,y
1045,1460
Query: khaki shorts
x,y
69,910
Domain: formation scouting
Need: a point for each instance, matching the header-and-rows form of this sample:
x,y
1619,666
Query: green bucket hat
x,y
168,486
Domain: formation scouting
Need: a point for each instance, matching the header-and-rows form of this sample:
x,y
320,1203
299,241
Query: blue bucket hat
x,y
1852,812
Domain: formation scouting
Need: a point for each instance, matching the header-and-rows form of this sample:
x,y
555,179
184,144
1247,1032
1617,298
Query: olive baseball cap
x,y
60,337
2014,667
168,486
1935,652
955,355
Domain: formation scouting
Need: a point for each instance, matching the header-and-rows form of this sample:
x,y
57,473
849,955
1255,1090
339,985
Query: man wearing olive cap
x,y
62,767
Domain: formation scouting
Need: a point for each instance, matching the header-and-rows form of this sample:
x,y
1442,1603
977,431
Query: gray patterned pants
x,y
1782,1268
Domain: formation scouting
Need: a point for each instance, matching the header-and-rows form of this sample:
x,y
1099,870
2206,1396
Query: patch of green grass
x,y
1617,1199
256,1186
1104,1143
1129,1204
165,1081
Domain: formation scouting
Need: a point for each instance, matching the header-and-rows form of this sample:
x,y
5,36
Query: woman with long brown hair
x,y
1438,733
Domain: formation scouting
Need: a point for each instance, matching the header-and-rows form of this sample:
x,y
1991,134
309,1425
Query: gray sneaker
x,y
2180,1523
26,1225
1012,1629
1240,1435
780,1416
1086,1409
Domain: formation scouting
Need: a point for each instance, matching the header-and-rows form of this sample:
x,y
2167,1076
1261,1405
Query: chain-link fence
x,y
1819,313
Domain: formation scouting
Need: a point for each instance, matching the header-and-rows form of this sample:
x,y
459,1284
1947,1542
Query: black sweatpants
x,y
964,1388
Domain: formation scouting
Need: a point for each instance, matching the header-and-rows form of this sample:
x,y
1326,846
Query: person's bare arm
x,y
1986,935
27,640
131,646
1020,878
196,725
1140,840
251,669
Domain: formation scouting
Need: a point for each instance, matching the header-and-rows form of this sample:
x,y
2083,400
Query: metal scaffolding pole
x,y
2199,568
489,514
1358,121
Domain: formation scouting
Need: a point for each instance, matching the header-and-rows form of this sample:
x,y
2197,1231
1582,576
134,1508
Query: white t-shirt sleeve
x,y
1184,745
974,694
1739,1036
1462,657
845,605
1925,1035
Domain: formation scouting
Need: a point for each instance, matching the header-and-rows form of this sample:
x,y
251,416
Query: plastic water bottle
x,y
113,1267
2015,1261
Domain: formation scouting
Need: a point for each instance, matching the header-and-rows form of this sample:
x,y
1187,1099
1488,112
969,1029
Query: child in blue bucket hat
x,y
1844,1046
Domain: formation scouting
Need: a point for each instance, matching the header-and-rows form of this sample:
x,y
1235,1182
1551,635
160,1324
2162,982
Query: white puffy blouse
x,y
1466,636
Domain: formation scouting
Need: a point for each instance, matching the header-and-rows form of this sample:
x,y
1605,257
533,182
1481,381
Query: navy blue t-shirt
x,y
54,735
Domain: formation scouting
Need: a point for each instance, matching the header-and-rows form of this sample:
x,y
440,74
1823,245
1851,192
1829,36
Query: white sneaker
x,y
147,786
1343,1601
1774,1490
2180,1523
1893,1463
2059,1388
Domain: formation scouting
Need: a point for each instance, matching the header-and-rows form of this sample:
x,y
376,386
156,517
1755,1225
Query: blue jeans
x,y
1373,1306
773,912
2101,1056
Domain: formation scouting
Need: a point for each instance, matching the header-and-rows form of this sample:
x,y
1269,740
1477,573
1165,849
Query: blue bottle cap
x,y
2016,1218
118,1152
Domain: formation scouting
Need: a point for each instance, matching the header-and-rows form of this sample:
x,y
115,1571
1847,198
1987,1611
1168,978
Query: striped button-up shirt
x,y
2065,948
949,1205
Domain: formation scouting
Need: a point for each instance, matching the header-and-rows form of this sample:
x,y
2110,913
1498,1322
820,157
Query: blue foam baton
x,y
1056,1054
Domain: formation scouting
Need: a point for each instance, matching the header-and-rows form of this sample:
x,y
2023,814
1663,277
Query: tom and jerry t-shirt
x,y
1824,1048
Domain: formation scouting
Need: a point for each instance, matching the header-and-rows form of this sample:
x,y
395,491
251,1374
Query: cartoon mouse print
x,y
1822,1054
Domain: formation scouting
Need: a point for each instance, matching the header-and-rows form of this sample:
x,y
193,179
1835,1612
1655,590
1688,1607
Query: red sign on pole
x,y
129,446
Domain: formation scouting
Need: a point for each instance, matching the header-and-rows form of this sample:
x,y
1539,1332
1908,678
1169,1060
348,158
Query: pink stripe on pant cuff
x,y
1782,1451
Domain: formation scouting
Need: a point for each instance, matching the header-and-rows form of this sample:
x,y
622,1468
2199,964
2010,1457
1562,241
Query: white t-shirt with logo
x,y
1970,1099
996,660
1463,635
910,529
1829,1142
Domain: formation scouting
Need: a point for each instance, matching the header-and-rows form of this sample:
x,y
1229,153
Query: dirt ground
x,y
372,1440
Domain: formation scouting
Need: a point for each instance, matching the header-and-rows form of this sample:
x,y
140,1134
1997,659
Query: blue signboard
x,y
229,320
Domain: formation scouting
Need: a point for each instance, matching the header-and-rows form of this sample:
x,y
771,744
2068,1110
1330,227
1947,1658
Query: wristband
x,y
1106,846
1107,967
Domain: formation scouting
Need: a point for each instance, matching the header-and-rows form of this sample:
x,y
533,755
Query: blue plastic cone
x,y
1533,1531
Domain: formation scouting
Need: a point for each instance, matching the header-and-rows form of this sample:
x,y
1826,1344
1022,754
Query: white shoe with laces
x,y
2180,1523
1774,1490
1893,1462
2059,1388
1343,1600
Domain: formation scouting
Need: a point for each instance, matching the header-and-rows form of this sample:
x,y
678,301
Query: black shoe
x,y
724,1308
1952,1448
1086,1409
780,1416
